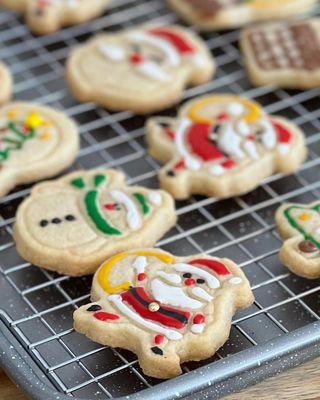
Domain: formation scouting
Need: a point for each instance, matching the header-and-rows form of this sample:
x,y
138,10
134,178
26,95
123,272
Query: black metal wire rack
x,y
37,306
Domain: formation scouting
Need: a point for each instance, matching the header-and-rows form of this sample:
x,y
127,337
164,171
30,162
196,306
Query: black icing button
x,y
157,350
94,307
200,281
56,221
171,173
70,217
43,223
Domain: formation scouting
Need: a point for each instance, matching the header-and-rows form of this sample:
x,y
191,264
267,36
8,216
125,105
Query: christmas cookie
x,y
222,145
142,70
47,16
166,309
283,54
73,224
228,14
299,227
5,84
36,142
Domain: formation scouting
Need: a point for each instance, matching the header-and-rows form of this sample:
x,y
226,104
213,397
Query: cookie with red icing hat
x,y
222,145
5,84
299,227
228,14
143,70
47,16
166,309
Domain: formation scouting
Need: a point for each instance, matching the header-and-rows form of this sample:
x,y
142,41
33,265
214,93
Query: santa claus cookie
x,y
299,227
142,70
36,142
166,309
47,16
283,54
227,14
74,223
222,145
5,84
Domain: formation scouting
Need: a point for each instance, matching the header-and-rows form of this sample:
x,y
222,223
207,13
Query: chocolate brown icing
x,y
306,246
211,7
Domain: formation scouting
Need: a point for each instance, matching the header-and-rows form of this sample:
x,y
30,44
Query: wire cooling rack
x,y
278,331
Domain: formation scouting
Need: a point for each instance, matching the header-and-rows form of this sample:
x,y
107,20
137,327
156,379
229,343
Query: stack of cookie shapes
x,y
299,227
36,142
227,14
47,16
285,54
142,70
71,225
166,309
5,84
222,145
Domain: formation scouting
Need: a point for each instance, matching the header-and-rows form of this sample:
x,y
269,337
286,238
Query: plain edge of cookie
x,y
6,95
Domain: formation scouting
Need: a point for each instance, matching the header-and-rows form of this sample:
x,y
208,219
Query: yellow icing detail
x,y
11,114
105,269
47,123
253,114
268,3
45,136
304,217
34,120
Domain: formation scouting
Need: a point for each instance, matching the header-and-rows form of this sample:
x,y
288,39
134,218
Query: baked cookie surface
x,y
72,224
5,84
36,142
166,309
299,227
47,16
222,145
141,70
283,54
228,14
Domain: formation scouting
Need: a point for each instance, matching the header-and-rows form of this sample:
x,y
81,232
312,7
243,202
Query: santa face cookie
x,y
299,227
228,14
283,54
222,145
166,309
141,70
36,142
5,84
74,223
47,16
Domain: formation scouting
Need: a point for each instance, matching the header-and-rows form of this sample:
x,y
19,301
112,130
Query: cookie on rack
x,y
5,84
143,70
36,142
71,225
166,309
222,145
299,227
285,54
227,14
47,16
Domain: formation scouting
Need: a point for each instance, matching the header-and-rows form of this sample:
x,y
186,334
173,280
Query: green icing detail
x,y
294,223
143,203
99,179
91,202
78,183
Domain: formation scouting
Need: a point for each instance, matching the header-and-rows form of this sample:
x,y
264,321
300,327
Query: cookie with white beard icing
x,y
166,309
222,145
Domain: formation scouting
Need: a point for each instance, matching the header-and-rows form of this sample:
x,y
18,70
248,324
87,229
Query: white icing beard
x,y
152,70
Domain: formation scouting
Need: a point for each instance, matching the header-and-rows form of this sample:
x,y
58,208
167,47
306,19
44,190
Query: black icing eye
x,y
94,307
200,281
216,128
56,221
156,59
187,275
43,223
135,48
70,218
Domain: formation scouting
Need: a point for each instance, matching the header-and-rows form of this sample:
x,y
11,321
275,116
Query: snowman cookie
x,y
166,309
299,227
228,14
222,145
5,84
47,16
71,225
141,70
36,142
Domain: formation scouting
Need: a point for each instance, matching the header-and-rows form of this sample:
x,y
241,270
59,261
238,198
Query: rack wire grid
x,y
37,305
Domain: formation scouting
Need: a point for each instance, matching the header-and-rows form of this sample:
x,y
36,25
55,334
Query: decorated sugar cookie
x,y
299,227
222,145
5,84
36,142
74,223
166,309
283,54
47,16
141,70
227,14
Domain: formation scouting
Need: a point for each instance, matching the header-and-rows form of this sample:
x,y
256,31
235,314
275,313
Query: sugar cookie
x,y
5,84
